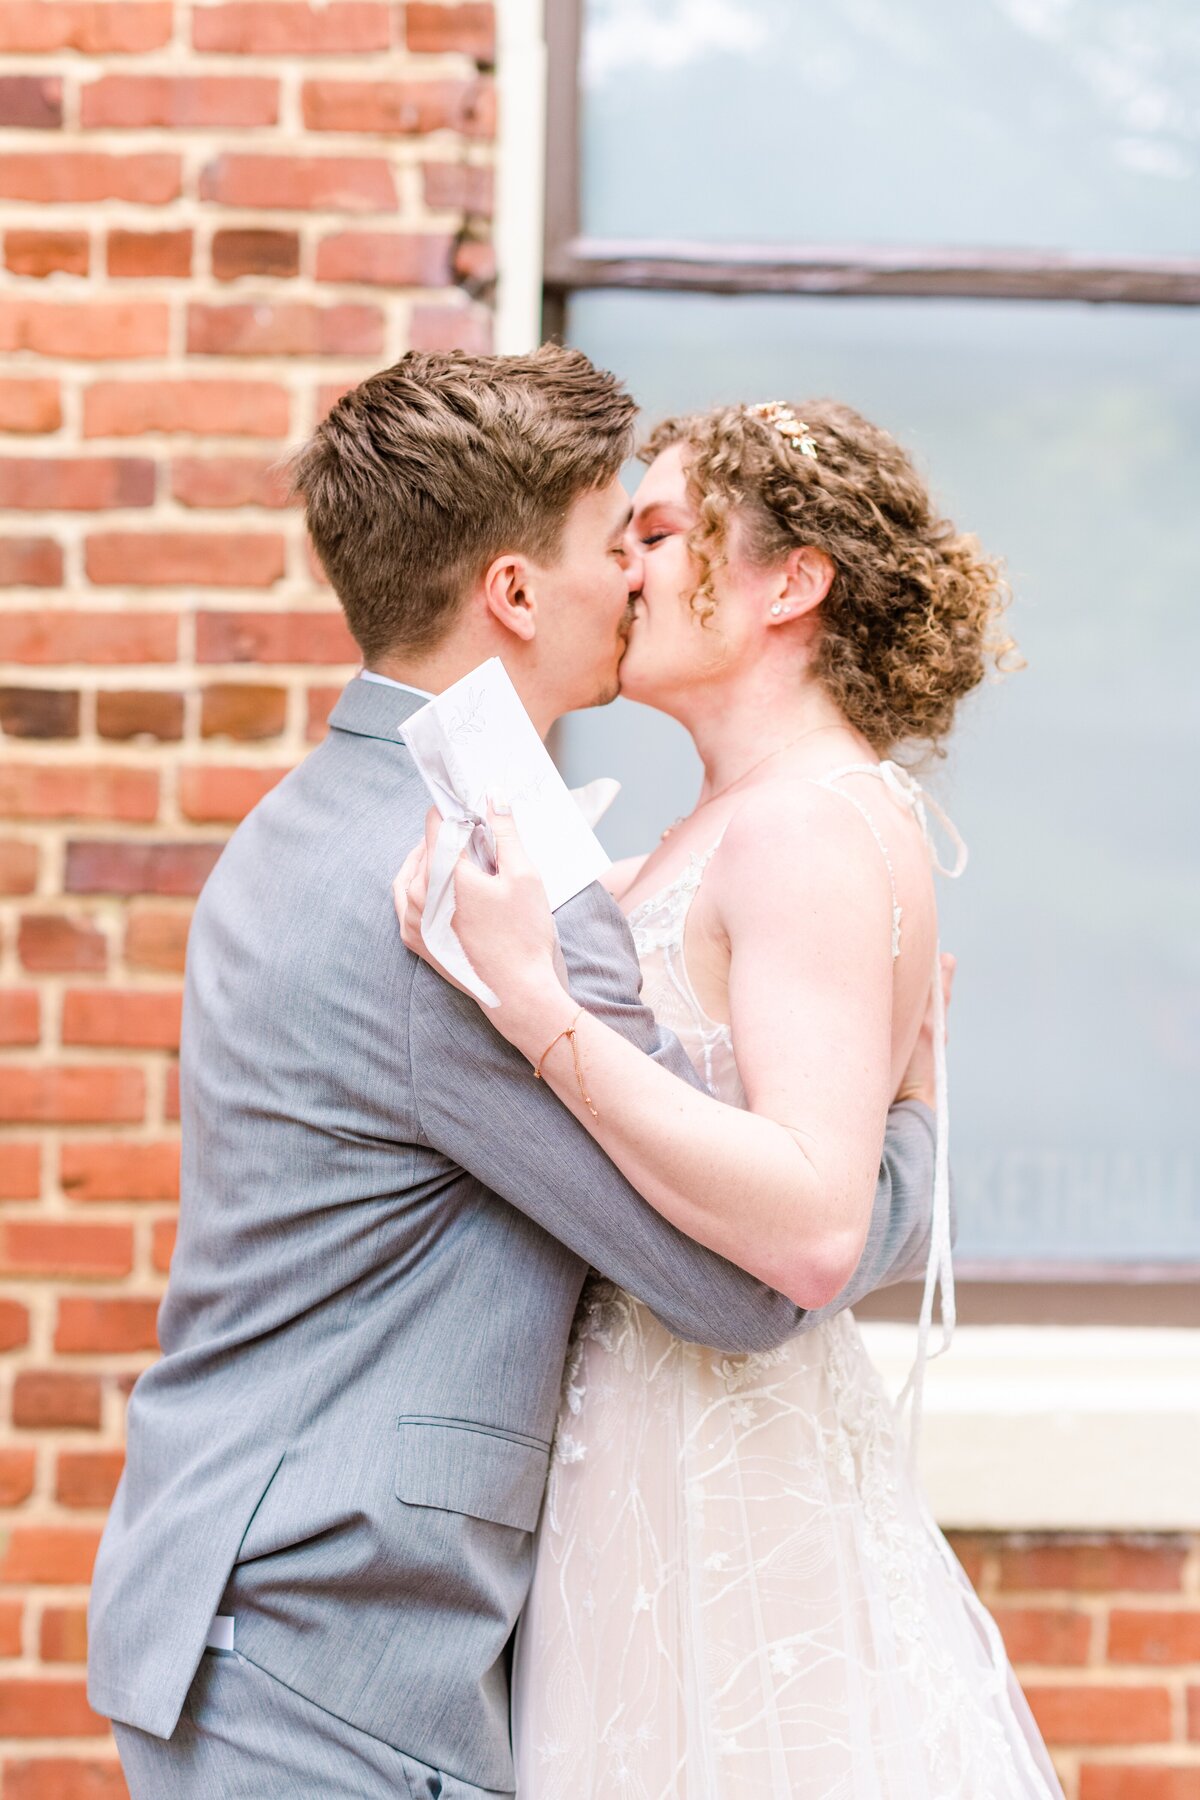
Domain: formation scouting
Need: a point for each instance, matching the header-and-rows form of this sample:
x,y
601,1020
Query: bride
x,y
739,1592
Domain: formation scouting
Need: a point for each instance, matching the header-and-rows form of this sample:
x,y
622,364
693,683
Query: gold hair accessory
x,y
783,420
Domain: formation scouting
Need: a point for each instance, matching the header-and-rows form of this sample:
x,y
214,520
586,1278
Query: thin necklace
x,y
745,775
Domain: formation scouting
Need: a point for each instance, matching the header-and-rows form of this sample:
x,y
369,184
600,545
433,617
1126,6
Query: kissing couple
x,y
512,1432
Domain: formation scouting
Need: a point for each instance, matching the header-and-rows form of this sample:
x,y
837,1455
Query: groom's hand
x,y
920,1081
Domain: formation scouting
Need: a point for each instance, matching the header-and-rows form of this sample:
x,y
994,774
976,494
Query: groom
x,y
316,1558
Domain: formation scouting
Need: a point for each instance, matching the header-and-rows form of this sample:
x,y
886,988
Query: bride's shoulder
x,y
792,824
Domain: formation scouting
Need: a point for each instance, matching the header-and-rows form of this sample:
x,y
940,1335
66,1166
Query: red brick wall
x,y
1105,1635
212,218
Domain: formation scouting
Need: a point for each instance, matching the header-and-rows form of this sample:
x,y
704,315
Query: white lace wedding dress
x,y
739,1592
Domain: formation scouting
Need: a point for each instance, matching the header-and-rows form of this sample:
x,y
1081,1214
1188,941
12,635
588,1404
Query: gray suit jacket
x,y
384,1229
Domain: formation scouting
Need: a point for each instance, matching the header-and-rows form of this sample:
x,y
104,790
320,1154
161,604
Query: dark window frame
x,y
1029,1292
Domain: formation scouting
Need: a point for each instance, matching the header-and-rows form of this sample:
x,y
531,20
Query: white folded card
x,y
476,740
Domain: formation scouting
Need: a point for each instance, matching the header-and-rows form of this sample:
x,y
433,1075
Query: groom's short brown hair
x,y
425,472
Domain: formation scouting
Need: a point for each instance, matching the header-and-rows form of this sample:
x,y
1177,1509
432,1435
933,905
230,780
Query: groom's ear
x,y
508,595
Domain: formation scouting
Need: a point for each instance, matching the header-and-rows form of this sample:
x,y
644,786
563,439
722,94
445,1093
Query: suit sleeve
x,y
479,1105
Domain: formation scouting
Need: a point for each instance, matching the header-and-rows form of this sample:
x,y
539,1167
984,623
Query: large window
x,y
918,208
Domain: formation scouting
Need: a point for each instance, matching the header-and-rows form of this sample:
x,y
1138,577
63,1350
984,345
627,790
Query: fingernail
x,y
500,802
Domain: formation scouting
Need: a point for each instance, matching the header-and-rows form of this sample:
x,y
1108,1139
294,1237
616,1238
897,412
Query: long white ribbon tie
x,y
939,1268
462,828
909,790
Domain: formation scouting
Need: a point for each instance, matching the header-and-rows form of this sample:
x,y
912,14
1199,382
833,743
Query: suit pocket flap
x,y
468,1468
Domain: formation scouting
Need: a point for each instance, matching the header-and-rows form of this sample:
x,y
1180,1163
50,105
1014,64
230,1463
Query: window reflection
x,y
1069,439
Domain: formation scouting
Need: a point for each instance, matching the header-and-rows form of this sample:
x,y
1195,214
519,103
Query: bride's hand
x,y
502,921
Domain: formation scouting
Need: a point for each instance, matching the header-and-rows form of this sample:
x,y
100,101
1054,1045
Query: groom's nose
x,y
633,565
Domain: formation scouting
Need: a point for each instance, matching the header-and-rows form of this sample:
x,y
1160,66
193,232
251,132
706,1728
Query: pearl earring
x,y
776,610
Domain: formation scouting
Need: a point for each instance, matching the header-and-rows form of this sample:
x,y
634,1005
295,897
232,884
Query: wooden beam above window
x,y
580,263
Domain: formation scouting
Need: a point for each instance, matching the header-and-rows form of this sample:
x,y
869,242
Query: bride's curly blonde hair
x,y
912,620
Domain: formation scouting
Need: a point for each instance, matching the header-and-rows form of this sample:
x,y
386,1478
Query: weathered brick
x,y
139,712
39,712
1154,1636
459,187
1141,1781
30,405
474,262
95,329
184,559
163,1244
354,184
254,250
221,481
88,637
242,710
469,28
1101,1713
149,255
16,1474
276,637
121,1019
51,943
75,1095
14,1318
214,793
63,1634
320,703
1096,1566
75,483
31,1707
156,937
292,28
96,27
120,1170
1044,1634
45,1399
105,1327
400,108
199,408
30,562
41,253
12,1614
392,259
49,791
31,101
183,101
34,1248
18,866
103,867
20,1017
451,328
150,178
284,328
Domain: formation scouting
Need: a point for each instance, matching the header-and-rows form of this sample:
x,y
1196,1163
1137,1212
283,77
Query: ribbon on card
x,y
476,739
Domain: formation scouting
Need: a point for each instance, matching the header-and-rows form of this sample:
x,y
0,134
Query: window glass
x,y
1067,125
1069,439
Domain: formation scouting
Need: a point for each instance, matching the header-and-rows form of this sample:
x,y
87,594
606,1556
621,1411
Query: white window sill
x,y
1075,1428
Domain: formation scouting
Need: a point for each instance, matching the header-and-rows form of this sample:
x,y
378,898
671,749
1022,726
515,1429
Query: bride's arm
x,y
785,1189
